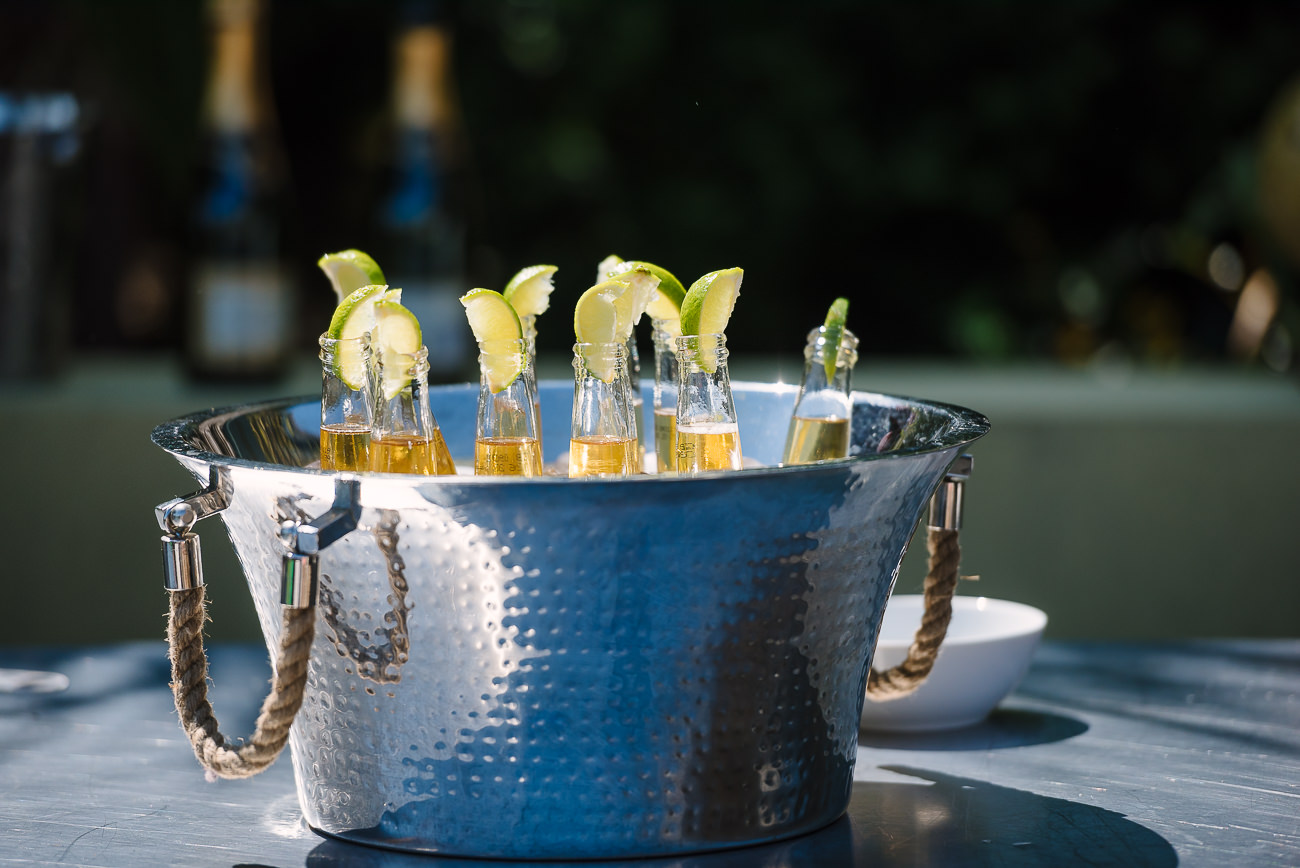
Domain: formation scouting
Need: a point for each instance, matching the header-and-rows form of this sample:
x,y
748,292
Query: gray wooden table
x,y
1108,754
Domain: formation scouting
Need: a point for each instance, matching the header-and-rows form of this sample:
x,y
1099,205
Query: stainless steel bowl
x,y
556,668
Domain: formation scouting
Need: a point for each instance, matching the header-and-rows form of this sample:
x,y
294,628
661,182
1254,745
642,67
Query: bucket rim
x,y
967,426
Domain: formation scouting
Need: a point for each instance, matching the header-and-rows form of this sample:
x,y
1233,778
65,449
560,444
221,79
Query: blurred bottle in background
x,y
239,322
420,228
39,141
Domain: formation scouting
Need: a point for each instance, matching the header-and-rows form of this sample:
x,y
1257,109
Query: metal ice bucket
x,y
558,668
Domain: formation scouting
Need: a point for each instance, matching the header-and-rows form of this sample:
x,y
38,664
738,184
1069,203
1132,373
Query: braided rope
x,y
940,584
188,614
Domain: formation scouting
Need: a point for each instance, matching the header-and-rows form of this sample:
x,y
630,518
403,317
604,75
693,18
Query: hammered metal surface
x,y
563,668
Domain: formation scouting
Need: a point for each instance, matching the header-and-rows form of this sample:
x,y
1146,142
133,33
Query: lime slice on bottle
x,y
354,317
608,266
494,320
667,302
641,289
529,291
707,307
596,320
349,270
396,334
835,319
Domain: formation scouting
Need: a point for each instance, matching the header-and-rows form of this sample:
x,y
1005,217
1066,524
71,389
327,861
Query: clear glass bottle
x,y
506,442
404,435
422,221
345,410
665,395
634,389
822,421
528,324
238,322
708,436
602,440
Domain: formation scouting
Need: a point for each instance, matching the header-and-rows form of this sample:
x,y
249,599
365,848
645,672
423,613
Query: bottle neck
x,y
665,332
421,72
605,362
704,385
528,324
497,359
401,395
506,409
665,343
343,402
829,358
702,354
334,352
602,392
232,103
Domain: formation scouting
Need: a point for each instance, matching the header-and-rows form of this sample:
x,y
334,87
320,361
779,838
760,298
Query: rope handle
x,y
940,584
216,753
942,575
188,613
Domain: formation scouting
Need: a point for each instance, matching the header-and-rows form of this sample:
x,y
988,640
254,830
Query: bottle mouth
x,y
820,338
507,347
326,341
414,364
702,345
611,347
331,347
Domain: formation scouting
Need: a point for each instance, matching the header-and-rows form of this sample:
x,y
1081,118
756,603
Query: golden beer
x,y
666,438
708,446
397,453
537,414
603,455
816,440
638,414
442,463
345,446
507,456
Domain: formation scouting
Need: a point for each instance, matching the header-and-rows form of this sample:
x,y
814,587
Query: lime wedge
x,y
605,270
529,291
835,319
493,320
707,307
491,317
396,334
349,270
596,321
641,289
667,302
354,317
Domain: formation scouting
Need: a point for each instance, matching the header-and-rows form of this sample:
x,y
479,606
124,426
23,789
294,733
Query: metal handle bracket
x,y
178,515
300,576
182,556
946,504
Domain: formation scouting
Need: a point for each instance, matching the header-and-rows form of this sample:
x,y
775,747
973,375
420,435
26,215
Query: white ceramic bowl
x,y
982,659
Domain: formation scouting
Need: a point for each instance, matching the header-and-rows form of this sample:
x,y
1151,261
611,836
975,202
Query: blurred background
x,y
1082,219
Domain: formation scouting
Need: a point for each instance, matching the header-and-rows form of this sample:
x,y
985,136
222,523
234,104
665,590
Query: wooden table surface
x,y
1157,754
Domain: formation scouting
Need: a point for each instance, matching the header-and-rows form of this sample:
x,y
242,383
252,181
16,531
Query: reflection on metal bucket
x,y
558,668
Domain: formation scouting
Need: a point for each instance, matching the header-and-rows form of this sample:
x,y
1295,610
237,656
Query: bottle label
x,y
240,319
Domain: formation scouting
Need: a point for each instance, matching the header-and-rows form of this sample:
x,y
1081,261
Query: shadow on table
x,y
1002,729
948,820
1158,683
